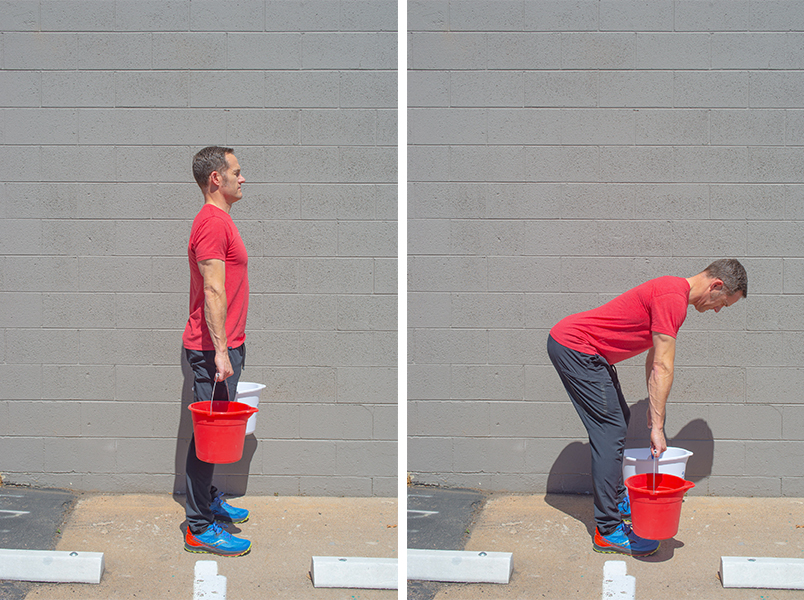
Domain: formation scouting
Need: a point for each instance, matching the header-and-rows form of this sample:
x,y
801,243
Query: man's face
x,y
717,297
231,180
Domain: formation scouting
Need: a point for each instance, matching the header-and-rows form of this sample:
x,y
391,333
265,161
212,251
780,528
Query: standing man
x,y
584,349
214,338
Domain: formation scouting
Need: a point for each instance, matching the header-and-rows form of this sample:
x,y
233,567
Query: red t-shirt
x,y
622,327
214,236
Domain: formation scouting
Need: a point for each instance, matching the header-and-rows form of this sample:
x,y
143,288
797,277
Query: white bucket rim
x,y
249,386
669,455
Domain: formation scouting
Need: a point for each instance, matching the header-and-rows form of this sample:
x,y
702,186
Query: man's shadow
x,y
230,479
571,473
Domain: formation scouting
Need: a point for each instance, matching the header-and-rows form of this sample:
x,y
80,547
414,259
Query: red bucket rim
x,y
240,409
682,485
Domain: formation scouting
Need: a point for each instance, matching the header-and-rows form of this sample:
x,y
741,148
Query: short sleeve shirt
x,y
214,236
623,327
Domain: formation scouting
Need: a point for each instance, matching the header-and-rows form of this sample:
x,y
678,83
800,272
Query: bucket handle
x,y
212,397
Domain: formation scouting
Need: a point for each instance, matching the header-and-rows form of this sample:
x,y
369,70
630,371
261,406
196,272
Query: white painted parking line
x,y
208,584
616,584
10,514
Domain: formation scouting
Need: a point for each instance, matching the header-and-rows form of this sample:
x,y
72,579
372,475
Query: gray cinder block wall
x,y
102,106
562,152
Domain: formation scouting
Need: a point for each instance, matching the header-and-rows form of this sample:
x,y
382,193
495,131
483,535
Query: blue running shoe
x,y
224,511
625,508
624,541
216,540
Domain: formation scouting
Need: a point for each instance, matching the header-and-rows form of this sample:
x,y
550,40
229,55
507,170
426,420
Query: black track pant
x,y
594,389
199,473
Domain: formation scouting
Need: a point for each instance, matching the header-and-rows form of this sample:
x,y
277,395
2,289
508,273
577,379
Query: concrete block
x,y
336,486
434,419
560,89
20,89
291,457
776,16
105,126
514,347
524,274
635,164
367,238
714,165
596,201
447,126
41,126
429,309
547,15
720,15
497,382
369,50
367,15
598,126
636,89
487,88
151,89
252,95
445,274
24,17
460,566
59,162
207,583
336,275
762,572
45,419
527,51
52,51
67,382
633,15
354,572
488,163
771,457
344,422
616,583
368,165
775,165
598,50
301,384
385,276
337,348
429,454
305,165
263,51
437,51
562,164
750,51
153,15
366,458
83,15
299,312
715,89
193,51
367,313
367,89
51,566
525,126
429,381
115,51
206,15
428,89
672,127
482,310
70,455
780,234
301,89
672,50
487,15
445,346
747,201
370,385
78,89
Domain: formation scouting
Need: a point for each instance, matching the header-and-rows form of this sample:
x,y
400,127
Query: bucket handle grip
x,y
212,397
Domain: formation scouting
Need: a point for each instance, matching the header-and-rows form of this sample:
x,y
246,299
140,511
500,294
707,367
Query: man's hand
x,y
223,368
658,443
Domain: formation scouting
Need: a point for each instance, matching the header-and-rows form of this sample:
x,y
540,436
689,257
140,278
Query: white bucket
x,y
672,461
249,393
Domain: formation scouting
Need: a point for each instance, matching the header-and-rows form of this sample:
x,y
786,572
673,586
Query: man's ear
x,y
716,284
214,180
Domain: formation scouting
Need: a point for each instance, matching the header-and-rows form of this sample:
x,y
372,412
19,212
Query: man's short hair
x,y
731,273
211,158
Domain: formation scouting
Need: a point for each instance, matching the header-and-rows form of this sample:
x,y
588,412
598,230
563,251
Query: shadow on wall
x,y
231,479
571,471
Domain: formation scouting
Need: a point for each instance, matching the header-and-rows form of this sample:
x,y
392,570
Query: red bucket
x,y
219,435
655,514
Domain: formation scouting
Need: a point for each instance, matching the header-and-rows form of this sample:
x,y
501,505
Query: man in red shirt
x,y
584,349
214,338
